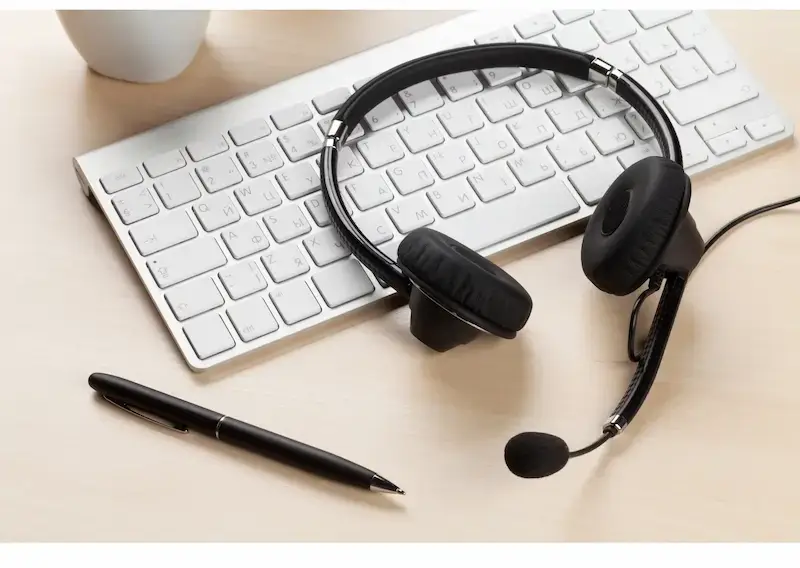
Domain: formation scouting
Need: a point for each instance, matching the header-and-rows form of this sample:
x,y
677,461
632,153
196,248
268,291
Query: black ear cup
x,y
634,224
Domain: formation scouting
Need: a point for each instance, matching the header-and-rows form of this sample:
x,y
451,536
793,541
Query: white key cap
x,y
532,166
194,298
202,149
451,160
163,232
208,335
569,16
491,144
531,128
501,103
709,97
411,213
613,25
252,319
386,114
653,80
689,32
639,151
620,55
284,263
331,101
640,127
361,82
714,126
218,173
718,57
500,75
186,261
249,131
123,179
300,142
324,125
605,102
381,149
579,36
177,189
502,35
491,183
376,227
685,69
765,127
260,158
342,283
543,39
164,163
215,212
610,136
291,116
573,85
295,302
298,181
135,204
652,18
258,196
242,279
655,46
535,25
422,134
461,118
316,208
421,98
460,85
369,191
286,223
451,198
569,114
348,166
693,149
245,239
539,89
593,180
571,151
409,176
727,142
325,247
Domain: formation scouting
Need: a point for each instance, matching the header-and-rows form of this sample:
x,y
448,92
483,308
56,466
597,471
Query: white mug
x,y
139,46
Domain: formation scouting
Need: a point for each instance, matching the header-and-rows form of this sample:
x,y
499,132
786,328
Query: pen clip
x,y
127,408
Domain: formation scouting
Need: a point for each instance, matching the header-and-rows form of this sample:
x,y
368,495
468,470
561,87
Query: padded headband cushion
x,y
633,223
465,278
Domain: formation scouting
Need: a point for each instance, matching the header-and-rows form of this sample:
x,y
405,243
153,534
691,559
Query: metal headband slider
x,y
335,132
603,73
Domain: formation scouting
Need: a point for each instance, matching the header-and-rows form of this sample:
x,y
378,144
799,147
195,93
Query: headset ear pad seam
x,y
464,278
633,224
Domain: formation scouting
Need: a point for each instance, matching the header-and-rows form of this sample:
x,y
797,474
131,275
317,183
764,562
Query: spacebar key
x,y
709,98
186,261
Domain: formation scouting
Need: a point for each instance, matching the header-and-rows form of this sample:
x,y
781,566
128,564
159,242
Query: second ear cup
x,y
464,279
633,223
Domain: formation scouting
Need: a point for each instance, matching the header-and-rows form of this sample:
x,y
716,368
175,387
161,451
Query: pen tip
x,y
383,485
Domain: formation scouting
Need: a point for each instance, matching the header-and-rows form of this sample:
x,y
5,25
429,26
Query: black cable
x,y
749,215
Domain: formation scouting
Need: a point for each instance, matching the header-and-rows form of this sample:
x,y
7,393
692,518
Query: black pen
x,y
186,417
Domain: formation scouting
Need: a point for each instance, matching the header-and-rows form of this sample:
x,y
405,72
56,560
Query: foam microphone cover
x,y
535,454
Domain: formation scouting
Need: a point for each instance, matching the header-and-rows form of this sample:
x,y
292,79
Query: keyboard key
x,y
569,16
569,114
202,149
300,142
593,181
580,37
727,142
331,101
291,116
571,151
316,208
685,69
420,98
258,196
451,198
539,89
451,160
361,82
460,85
177,189
386,114
500,103
716,56
249,131
186,261
652,18
325,125
298,181
500,75
163,232
120,180
260,158
252,319
342,283
693,149
689,32
491,183
381,149
135,204
532,166
215,212
613,25
573,85
713,127
620,55
544,39
325,247
655,46
422,134
708,98
295,302
638,152
411,213
535,25
605,102
376,227
491,145
245,239
610,136
461,118
284,263
531,128
218,173
502,35
348,165
194,298
286,223
369,191
653,80
164,163
208,335
765,127
410,176
640,127
242,279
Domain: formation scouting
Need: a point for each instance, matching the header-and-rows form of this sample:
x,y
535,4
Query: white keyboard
x,y
220,212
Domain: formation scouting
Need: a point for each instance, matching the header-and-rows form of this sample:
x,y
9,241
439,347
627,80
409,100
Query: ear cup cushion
x,y
633,223
465,278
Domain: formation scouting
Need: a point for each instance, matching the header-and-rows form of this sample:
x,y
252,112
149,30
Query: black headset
x,y
640,232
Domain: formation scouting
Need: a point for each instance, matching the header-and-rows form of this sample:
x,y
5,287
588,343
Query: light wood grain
x,y
714,455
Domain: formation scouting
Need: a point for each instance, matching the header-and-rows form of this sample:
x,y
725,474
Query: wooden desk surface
x,y
714,455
